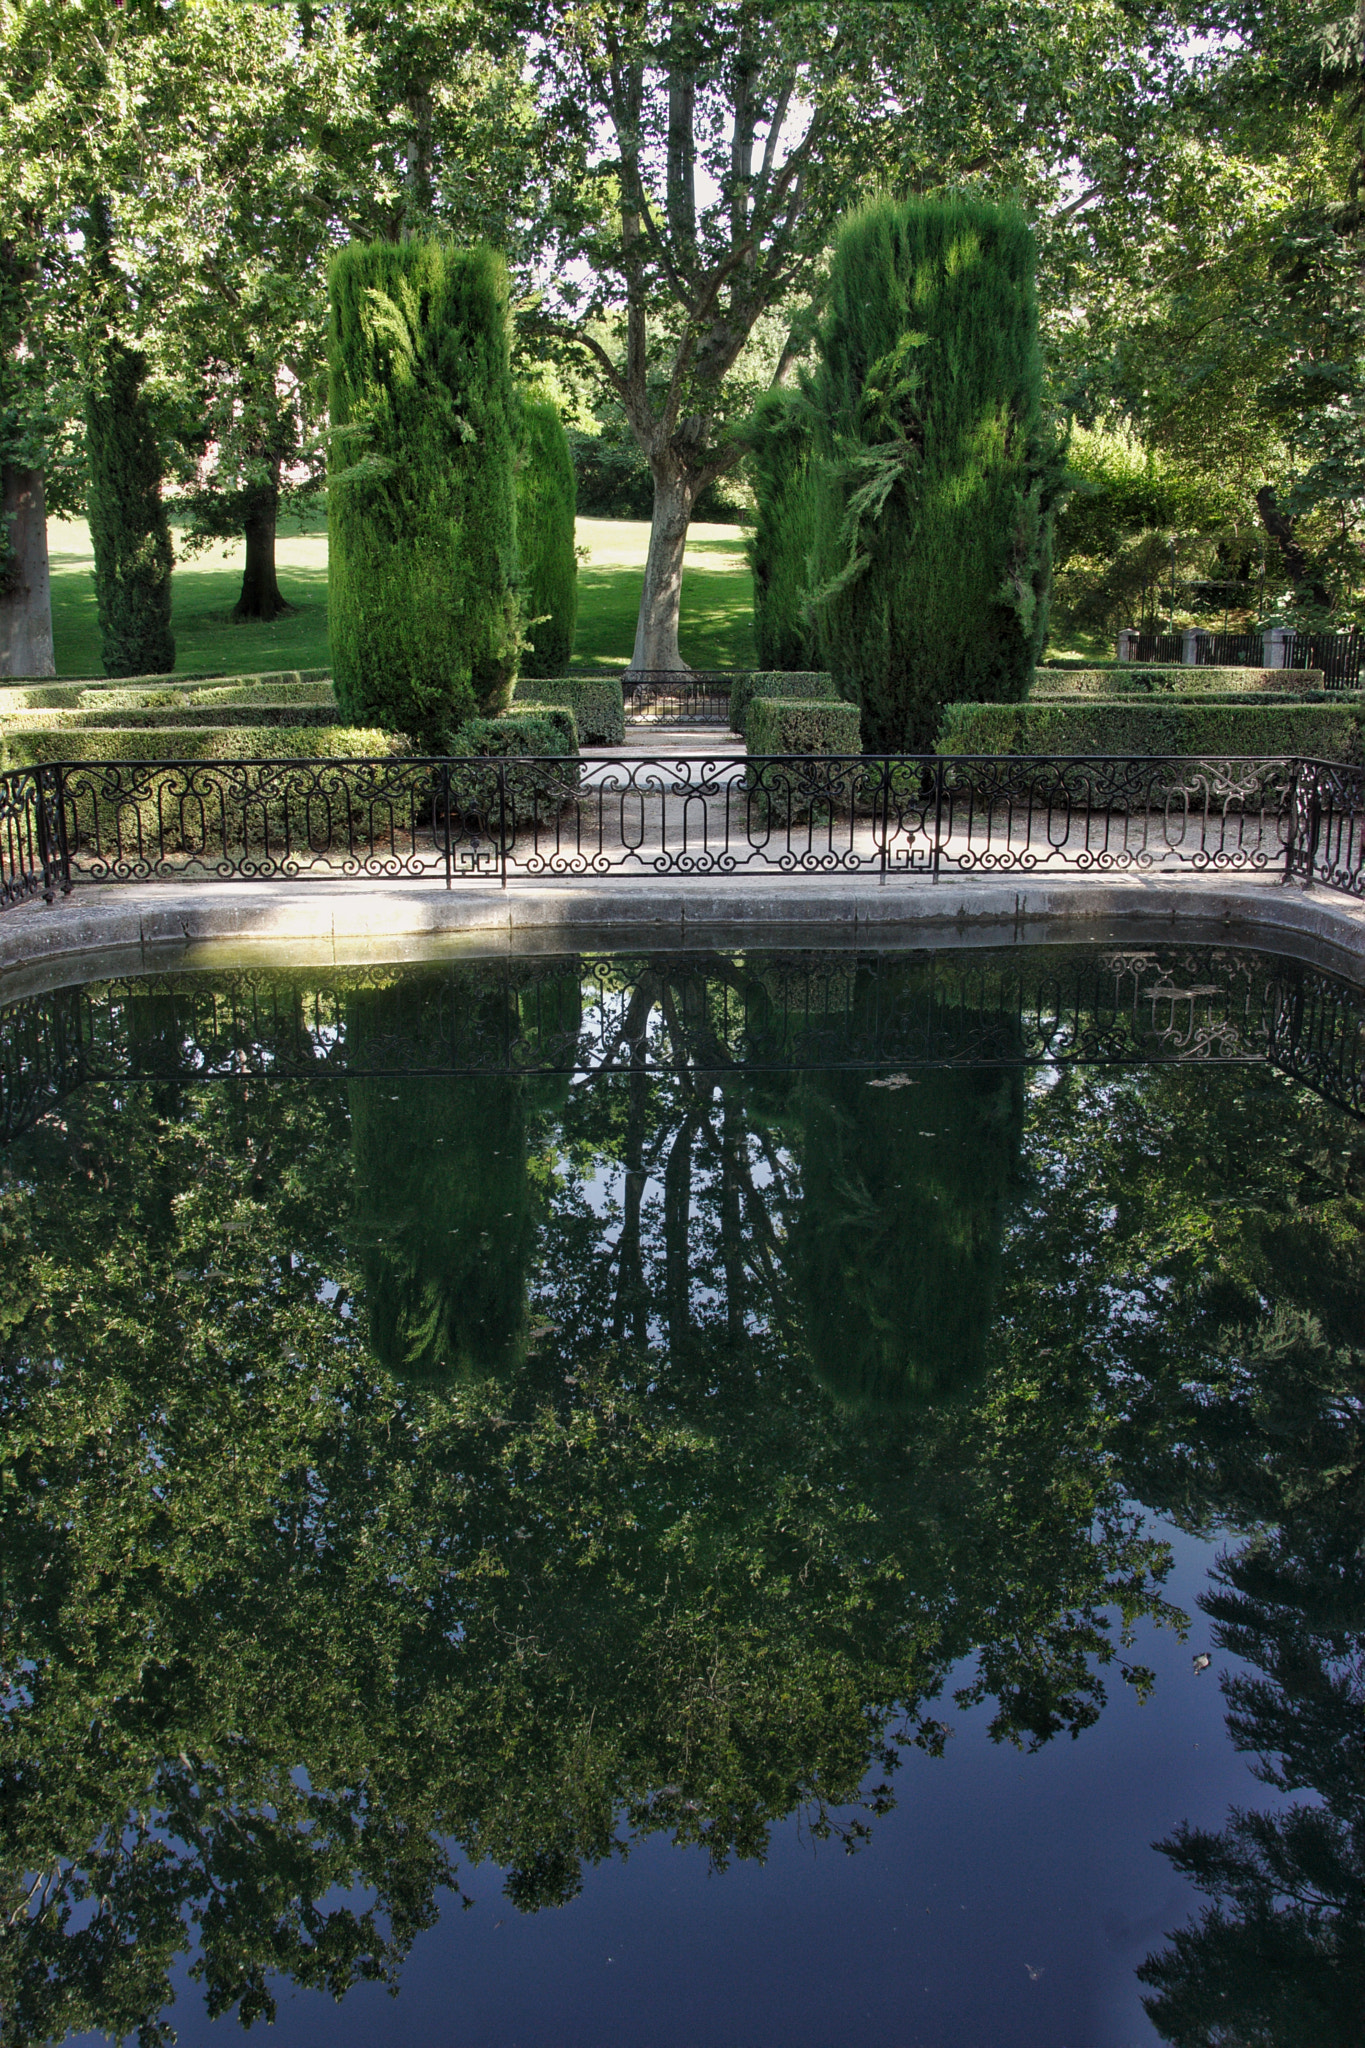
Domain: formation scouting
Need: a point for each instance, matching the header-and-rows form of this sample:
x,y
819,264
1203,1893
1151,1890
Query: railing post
x,y
445,806
502,818
49,787
938,811
1290,841
886,817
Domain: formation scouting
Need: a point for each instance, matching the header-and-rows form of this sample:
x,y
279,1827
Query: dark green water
x,y
599,1439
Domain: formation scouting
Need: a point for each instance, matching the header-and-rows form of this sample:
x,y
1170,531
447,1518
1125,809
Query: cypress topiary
x,y
546,504
935,473
128,528
783,532
421,515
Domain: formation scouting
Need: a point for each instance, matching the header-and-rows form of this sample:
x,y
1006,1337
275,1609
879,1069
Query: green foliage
x,y
128,528
1122,679
264,710
597,703
936,474
545,540
26,746
1131,516
751,683
421,510
782,544
801,725
1171,727
549,729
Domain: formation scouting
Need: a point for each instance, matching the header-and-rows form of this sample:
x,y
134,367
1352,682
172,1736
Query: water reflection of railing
x,y
583,1016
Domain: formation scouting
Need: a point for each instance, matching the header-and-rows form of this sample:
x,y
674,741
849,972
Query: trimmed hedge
x,y
802,725
1175,726
305,685
539,729
26,747
597,702
421,499
1132,679
777,682
258,711
545,733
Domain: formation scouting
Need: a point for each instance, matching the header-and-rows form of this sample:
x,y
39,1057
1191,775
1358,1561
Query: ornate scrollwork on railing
x,y
680,816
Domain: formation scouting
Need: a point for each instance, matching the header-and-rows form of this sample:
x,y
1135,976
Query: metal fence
x,y
1230,650
655,816
1336,654
678,696
1160,647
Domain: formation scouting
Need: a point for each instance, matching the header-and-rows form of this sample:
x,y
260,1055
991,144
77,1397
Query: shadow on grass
x,y
717,615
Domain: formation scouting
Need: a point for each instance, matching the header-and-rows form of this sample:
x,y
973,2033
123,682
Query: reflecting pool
x,y
689,1498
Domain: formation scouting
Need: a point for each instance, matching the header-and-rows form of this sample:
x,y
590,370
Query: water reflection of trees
x,y
332,1556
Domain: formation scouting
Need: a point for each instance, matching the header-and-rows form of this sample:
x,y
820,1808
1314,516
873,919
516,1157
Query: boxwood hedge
x,y
802,725
597,703
1173,726
1126,679
789,683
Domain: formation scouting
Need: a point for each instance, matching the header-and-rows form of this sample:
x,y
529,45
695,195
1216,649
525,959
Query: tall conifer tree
x,y
936,472
546,504
421,511
128,527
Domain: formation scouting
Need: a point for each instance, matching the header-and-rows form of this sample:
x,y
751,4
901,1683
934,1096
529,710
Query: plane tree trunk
x,y
25,590
656,630
261,596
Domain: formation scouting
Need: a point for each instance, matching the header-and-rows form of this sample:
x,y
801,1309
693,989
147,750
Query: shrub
x,y
751,683
1125,679
597,703
533,729
421,512
802,725
128,529
935,475
1176,726
780,546
539,732
545,540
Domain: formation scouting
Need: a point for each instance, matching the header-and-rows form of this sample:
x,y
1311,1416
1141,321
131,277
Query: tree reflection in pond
x,y
340,1557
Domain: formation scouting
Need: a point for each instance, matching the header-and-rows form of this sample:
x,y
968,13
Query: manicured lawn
x,y
717,606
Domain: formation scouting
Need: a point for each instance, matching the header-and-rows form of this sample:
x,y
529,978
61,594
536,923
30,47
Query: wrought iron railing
x,y
659,816
32,849
666,696
668,1013
1325,838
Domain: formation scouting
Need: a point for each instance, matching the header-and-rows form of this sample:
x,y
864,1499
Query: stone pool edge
x,y
327,919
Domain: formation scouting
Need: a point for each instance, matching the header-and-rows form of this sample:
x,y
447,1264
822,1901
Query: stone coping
x,y
114,929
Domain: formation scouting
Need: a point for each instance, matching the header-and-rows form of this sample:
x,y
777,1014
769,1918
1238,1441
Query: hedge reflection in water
x,y
425,1471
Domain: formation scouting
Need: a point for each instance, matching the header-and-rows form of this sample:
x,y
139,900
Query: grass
x,y
717,602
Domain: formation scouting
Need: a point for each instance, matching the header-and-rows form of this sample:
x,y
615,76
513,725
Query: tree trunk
x,y
1280,527
25,593
656,632
261,597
